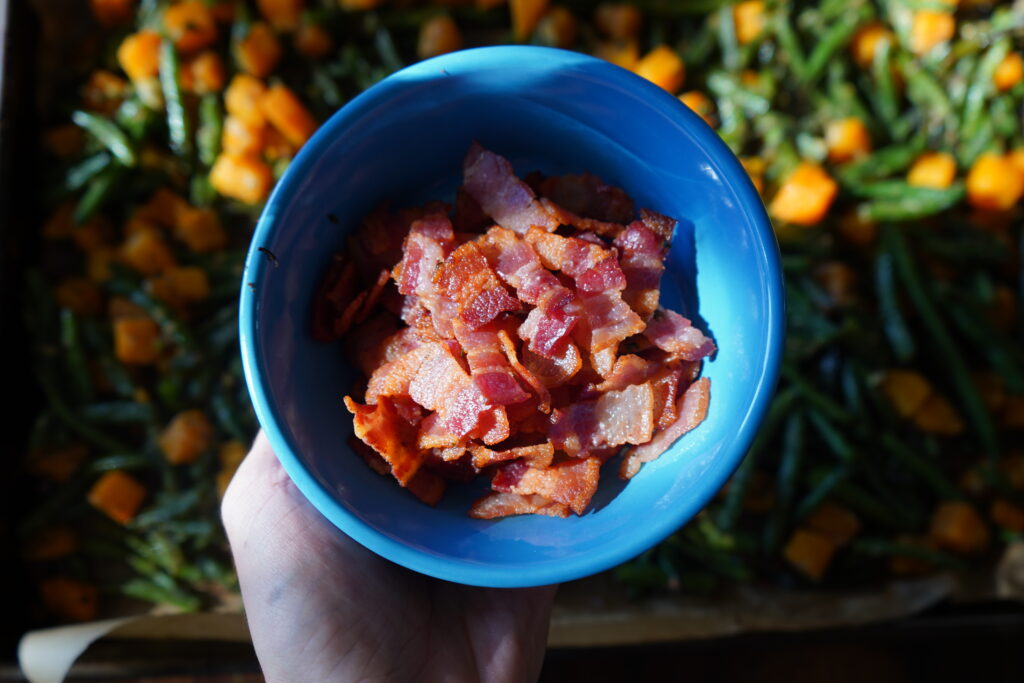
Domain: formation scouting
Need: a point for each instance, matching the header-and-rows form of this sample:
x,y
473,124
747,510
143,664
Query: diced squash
x,y
1016,158
933,169
1009,72
809,552
356,5
204,73
242,99
749,20
938,416
525,15
929,29
180,286
557,28
700,104
245,178
838,280
70,599
188,435
288,114
835,521
847,139
223,10
240,137
313,40
994,182
907,390
618,21
259,51
624,53
956,526
865,43
857,230
439,35
200,230
1012,414
663,67
117,495
910,565
190,25
79,295
110,13
99,262
58,464
283,15
92,234
136,340
146,251
104,92
1007,515
277,146
51,543
121,307
162,208
64,140
139,55
805,195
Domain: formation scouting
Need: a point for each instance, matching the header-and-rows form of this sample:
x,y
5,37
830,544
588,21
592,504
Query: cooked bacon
x,y
458,469
496,504
538,455
614,419
666,383
415,274
543,395
553,372
566,217
628,369
587,195
693,408
489,366
660,225
493,426
442,385
383,429
490,180
571,483
609,320
433,434
466,279
674,334
334,296
394,377
643,262
427,486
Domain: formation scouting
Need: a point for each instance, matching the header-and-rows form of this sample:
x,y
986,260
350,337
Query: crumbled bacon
x,y
532,356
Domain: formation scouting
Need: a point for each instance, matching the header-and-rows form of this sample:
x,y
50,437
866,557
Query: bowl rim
x,y
466,571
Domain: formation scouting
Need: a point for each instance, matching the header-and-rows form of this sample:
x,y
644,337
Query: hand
x,y
323,608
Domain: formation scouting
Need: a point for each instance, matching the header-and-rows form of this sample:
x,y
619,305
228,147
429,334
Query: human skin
x,y
323,608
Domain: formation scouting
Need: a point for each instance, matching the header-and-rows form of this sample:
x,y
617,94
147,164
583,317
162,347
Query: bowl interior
x,y
404,141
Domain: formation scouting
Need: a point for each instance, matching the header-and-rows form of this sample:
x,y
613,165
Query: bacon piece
x,y
571,483
642,258
666,383
587,195
566,217
543,395
427,486
628,369
693,408
496,504
490,180
493,426
466,279
660,225
383,429
491,371
422,256
442,385
609,321
334,296
458,469
395,377
554,372
433,434
373,295
538,455
674,334
615,418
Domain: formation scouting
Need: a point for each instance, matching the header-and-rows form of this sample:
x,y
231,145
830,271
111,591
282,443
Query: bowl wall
x,y
404,141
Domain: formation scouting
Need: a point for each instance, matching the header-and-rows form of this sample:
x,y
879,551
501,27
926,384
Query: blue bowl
x,y
558,112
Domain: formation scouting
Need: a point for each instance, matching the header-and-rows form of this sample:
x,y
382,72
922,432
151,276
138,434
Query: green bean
x,y
915,206
107,134
76,424
179,128
821,490
97,192
814,397
119,412
74,359
135,118
225,415
169,506
789,42
386,49
79,175
99,348
211,124
894,325
928,472
834,39
954,362
786,479
881,163
727,39
1002,356
734,496
150,589
120,461
901,190
877,547
835,441
892,516
924,91
981,88
886,102
169,321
